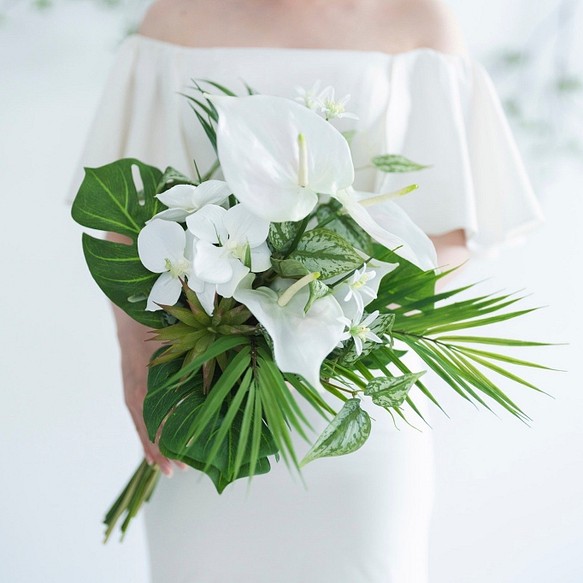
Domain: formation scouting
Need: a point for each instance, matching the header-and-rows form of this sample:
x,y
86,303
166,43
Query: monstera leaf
x,y
222,433
120,198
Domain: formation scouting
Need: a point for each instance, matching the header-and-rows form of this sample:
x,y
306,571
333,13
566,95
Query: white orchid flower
x,y
361,288
184,199
163,248
310,98
333,108
360,331
229,244
301,341
277,155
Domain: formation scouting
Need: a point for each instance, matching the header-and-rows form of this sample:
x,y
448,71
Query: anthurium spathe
x,y
184,199
390,226
301,341
229,244
163,248
277,155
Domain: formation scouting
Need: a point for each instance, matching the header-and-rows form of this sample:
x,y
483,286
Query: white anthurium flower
x,y
184,199
162,248
229,244
278,156
361,288
301,156
333,108
391,227
360,331
301,341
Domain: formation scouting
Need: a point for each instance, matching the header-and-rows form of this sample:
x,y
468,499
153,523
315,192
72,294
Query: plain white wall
x,y
508,504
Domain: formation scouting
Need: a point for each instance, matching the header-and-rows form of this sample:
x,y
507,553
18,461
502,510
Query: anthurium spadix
x,y
301,341
277,155
390,226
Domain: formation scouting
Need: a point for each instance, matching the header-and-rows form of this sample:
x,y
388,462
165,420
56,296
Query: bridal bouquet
x,y
278,282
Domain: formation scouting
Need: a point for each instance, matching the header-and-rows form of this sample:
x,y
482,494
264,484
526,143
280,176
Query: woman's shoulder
x,y
166,20
427,24
392,26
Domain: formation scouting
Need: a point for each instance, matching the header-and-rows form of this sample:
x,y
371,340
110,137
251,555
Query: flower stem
x,y
137,491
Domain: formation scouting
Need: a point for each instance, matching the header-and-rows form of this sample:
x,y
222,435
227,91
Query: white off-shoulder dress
x,y
362,518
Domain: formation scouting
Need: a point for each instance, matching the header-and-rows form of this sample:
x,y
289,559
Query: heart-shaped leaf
x,y
282,235
392,163
327,253
346,433
391,391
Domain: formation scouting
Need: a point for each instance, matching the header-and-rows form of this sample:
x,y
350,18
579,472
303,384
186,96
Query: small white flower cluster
x,y
216,251
324,102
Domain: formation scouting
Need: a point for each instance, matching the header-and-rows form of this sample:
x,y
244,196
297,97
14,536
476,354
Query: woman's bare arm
x,y
452,251
436,27
136,350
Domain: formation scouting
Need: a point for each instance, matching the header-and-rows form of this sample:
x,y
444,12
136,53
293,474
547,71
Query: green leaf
x,y
218,86
219,347
170,178
325,252
318,289
391,391
492,341
331,216
118,271
289,267
118,197
349,135
202,430
346,433
392,163
407,283
282,235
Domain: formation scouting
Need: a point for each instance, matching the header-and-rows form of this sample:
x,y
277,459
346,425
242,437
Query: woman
x,y
364,519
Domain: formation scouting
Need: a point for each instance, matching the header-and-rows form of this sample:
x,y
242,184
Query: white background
x,y
508,507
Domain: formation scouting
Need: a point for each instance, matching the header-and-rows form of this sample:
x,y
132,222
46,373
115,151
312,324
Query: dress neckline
x,y
154,42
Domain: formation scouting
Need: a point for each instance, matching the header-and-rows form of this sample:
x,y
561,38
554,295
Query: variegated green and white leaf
x,y
327,253
392,163
391,391
346,433
282,235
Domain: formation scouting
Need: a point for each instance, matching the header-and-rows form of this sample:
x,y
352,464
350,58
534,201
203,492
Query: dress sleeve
x,y
138,114
444,112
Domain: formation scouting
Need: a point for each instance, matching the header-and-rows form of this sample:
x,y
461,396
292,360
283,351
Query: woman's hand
x,y
135,356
